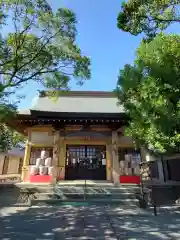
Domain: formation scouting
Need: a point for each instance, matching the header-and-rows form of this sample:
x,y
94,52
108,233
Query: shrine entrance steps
x,y
86,192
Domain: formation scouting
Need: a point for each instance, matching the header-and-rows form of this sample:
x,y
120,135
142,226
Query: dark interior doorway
x,y
85,162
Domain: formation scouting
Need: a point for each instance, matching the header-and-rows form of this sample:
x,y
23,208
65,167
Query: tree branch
x,y
22,80
159,19
19,43
36,55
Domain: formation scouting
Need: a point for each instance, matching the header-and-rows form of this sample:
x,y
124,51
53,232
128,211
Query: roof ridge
x,y
77,93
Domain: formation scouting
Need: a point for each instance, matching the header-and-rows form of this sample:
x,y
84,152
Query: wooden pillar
x,y
58,157
25,167
115,168
62,152
27,155
109,161
56,149
55,156
62,157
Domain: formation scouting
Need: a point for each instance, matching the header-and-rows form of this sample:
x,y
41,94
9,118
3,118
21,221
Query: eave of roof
x,y
79,105
77,115
77,93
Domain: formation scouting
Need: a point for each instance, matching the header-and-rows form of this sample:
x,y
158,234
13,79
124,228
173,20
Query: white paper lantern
x,y
43,170
38,162
51,171
48,162
33,170
43,154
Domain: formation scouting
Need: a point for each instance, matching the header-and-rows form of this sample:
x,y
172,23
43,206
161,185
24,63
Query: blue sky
x,y
100,39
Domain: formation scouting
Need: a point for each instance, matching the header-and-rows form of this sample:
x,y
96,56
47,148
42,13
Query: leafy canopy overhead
x,y
148,16
150,92
41,46
36,44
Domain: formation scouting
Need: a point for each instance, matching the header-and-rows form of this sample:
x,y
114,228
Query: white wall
x,y
41,138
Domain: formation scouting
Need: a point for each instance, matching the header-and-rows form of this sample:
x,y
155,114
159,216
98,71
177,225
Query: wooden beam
x,y
115,126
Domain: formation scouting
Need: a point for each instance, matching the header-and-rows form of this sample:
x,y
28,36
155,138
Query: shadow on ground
x,y
90,222
57,223
144,225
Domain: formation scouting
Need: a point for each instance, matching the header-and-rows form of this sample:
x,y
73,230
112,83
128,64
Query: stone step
x,y
92,191
97,187
72,190
88,195
91,183
108,194
124,194
71,201
112,188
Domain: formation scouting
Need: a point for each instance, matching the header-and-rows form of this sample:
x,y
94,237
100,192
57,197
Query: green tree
x,y
148,16
9,138
150,93
40,46
4,138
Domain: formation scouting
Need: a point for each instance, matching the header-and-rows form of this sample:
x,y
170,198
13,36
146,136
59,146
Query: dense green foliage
x,y
41,46
148,16
9,138
38,45
150,92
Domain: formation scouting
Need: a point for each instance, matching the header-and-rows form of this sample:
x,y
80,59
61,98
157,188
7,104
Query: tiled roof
x,y
79,102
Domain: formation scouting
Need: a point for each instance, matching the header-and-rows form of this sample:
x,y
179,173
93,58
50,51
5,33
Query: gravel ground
x,y
90,222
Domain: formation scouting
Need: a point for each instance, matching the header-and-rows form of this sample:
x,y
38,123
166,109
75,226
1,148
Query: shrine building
x,y
79,135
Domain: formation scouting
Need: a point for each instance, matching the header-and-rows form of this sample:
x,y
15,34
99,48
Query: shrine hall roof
x,y
77,102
